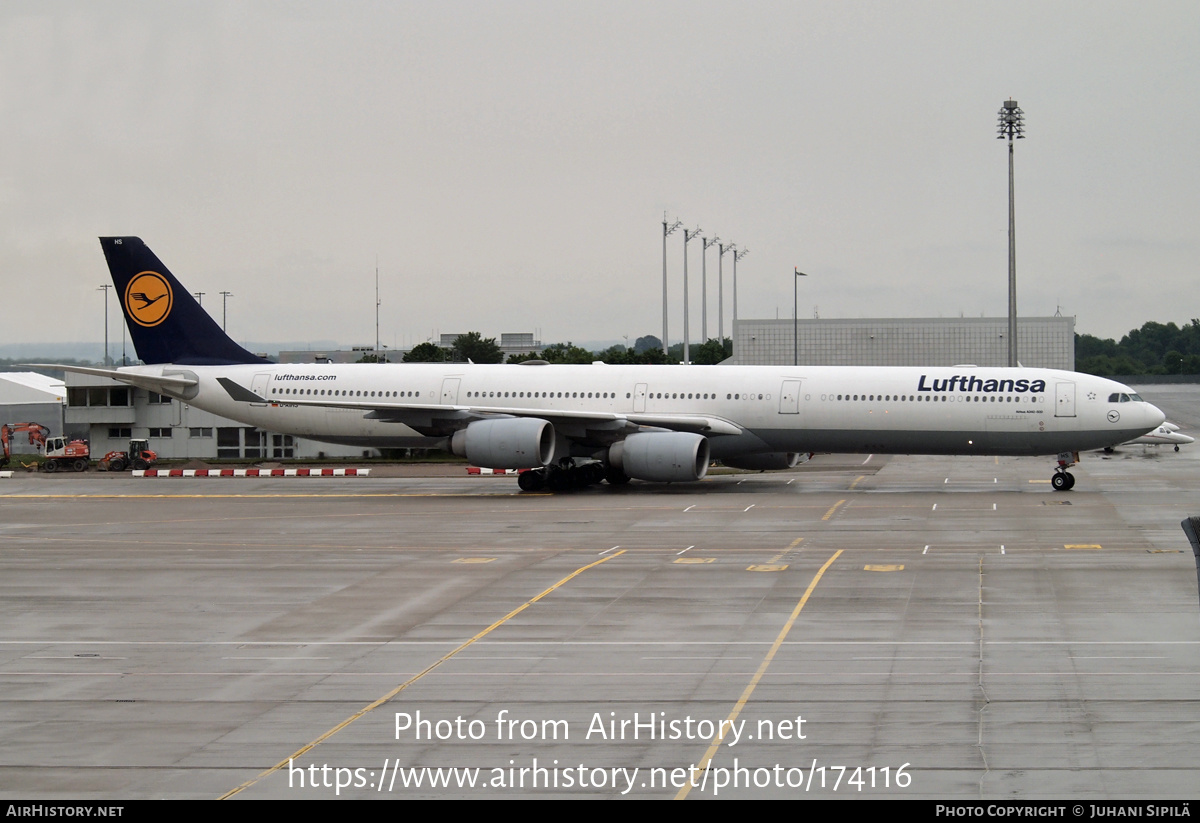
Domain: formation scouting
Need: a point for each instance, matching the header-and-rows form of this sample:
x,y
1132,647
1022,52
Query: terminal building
x,y
108,414
1042,342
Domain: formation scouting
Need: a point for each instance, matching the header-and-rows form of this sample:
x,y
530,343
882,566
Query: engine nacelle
x,y
508,443
772,461
661,456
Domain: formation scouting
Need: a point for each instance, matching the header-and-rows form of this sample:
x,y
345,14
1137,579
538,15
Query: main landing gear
x,y
1063,480
565,476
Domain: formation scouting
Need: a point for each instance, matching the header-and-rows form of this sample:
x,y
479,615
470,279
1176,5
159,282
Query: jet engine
x,y
661,456
507,443
765,462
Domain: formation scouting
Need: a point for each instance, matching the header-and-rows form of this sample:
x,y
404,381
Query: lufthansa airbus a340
x,y
574,425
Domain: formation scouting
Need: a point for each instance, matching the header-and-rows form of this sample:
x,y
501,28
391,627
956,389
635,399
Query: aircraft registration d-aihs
x,y
575,425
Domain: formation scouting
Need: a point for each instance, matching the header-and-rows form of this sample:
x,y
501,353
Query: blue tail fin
x,y
165,321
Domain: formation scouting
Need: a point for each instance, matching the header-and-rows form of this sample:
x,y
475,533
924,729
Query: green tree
x,y
1088,346
712,352
617,355
566,353
475,347
1155,348
643,344
650,357
426,353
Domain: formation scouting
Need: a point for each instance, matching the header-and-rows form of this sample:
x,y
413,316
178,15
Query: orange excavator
x,y
61,454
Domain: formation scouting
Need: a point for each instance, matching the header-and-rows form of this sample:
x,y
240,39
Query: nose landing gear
x,y
1063,480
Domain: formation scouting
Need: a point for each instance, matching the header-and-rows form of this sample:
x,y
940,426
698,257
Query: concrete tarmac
x,y
919,627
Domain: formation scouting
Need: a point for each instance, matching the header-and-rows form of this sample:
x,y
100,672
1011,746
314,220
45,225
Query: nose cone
x,y
1154,416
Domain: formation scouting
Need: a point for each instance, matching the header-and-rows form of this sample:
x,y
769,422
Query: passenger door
x,y
639,397
789,397
260,386
1064,405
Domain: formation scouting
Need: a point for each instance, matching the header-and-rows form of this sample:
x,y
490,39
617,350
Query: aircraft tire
x,y
531,481
615,476
559,480
1060,481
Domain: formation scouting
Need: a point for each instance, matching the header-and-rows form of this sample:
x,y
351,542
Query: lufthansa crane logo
x,y
148,298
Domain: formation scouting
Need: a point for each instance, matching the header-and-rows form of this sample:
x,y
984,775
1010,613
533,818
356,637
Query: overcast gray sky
x,y
509,163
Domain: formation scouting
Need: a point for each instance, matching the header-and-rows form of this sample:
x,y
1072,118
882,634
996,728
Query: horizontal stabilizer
x,y
239,393
152,382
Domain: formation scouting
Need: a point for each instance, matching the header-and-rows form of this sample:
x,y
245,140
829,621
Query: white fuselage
x,y
936,410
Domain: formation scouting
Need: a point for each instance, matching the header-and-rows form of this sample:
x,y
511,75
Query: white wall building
x,y
107,414
1042,342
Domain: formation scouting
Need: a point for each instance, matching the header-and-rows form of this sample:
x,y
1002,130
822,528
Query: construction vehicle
x,y
59,453
139,456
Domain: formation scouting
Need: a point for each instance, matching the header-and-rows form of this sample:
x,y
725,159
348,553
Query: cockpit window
x,y
1114,397
1124,398
1137,397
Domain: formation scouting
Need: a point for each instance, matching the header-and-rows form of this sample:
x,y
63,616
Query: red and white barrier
x,y
252,473
477,470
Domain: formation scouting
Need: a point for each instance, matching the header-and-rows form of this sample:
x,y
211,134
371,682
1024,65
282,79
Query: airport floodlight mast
x,y
377,360
199,295
738,254
667,229
721,249
704,286
1012,126
688,236
796,315
225,295
105,287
